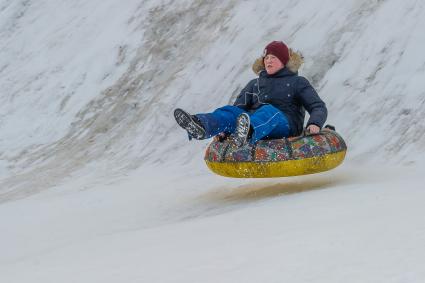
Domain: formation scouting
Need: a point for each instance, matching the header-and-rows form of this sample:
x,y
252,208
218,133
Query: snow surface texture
x,y
98,184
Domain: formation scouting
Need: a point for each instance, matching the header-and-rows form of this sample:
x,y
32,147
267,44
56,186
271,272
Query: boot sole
x,y
186,121
242,129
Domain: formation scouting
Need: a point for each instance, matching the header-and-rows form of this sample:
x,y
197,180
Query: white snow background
x,y
98,184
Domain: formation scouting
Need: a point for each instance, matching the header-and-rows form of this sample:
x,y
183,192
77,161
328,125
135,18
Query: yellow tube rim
x,y
279,168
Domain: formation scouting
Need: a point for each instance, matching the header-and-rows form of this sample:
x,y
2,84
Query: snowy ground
x,y
97,184
349,225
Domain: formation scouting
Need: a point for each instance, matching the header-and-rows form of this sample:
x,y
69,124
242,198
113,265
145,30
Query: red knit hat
x,y
278,49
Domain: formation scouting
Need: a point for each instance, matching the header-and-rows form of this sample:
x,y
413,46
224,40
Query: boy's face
x,y
272,64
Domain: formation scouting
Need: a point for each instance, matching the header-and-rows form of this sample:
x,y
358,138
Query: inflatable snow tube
x,y
294,156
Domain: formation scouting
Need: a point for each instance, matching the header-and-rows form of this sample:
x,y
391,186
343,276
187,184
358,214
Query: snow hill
x,y
97,184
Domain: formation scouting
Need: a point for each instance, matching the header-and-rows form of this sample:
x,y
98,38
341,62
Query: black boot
x,y
190,123
243,125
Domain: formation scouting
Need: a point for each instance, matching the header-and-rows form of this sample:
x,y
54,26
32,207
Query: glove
x,y
221,137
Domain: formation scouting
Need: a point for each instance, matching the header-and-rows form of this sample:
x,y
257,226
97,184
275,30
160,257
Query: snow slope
x,y
98,184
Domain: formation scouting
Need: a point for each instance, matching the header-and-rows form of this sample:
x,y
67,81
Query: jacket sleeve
x,y
244,99
312,103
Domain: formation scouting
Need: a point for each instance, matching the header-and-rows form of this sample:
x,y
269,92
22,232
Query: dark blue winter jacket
x,y
290,93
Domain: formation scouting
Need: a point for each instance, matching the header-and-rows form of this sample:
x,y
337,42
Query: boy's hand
x,y
220,137
313,129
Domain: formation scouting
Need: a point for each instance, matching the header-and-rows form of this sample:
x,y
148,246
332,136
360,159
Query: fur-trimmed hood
x,y
296,59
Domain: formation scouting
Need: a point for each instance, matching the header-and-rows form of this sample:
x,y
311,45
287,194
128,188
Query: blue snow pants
x,y
266,122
